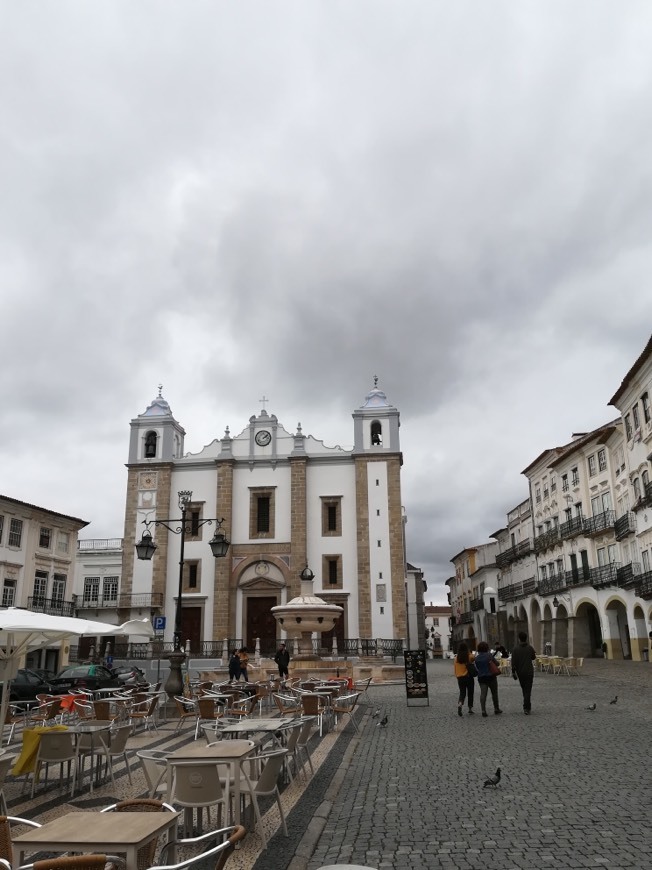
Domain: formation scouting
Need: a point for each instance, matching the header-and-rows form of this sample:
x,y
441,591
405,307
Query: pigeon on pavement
x,y
492,781
382,722
376,713
591,707
615,700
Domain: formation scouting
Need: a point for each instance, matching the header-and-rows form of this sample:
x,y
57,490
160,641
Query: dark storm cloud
x,y
290,198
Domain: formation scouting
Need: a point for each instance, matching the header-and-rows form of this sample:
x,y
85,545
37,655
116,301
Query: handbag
x,y
471,670
494,669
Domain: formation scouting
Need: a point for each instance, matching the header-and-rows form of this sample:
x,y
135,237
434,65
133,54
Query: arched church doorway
x,y
260,623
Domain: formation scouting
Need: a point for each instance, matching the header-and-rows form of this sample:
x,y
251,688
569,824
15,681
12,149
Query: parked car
x,y
89,676
130,675
26,685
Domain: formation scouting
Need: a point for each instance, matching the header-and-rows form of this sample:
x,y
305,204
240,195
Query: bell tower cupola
x,y
376,424
155,435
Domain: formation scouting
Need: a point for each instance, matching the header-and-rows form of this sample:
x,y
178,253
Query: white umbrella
x,y
22,631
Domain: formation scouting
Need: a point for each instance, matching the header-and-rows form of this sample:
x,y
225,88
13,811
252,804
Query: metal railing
x,y
466,617
144,600
477,604
214,649
625,525
599,523
644,587
513,553
572,528
628,575
605,575
53,606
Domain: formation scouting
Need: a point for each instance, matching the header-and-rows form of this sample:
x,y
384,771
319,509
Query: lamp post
x,y
145,550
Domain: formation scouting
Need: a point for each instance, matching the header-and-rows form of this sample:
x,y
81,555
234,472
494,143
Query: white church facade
x,y
287,502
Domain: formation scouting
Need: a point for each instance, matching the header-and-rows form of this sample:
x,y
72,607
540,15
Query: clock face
x,y
263,438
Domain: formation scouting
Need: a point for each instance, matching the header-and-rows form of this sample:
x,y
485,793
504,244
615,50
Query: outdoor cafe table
x,y
249,726
92,730
229,752
110,833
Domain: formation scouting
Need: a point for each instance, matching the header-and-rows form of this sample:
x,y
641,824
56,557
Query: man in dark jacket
x,y
523,670
282,659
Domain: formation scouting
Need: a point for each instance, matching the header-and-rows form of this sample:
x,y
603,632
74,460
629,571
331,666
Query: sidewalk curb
x,y
310,839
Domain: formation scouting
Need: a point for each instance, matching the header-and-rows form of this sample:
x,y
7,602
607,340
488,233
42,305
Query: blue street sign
x,y
159,623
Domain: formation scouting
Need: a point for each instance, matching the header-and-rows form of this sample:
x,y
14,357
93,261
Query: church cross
x,y
264,400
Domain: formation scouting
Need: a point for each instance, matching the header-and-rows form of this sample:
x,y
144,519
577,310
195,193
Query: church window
x,y
331,516
191,575
261,512
150,445
376,434
194,514
332,571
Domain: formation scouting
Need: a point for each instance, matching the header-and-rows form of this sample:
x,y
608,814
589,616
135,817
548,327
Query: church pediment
x,y
261,583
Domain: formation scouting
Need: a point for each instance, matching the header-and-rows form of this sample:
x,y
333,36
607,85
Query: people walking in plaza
x,y
282,659
488,670
465,673
243,655
234,666
523,657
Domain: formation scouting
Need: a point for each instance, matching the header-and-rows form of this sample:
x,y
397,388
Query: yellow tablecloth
x,y
26,761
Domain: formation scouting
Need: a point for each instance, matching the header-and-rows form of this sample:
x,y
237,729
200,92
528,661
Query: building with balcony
x,y
575,559
472,594
438,626
37,562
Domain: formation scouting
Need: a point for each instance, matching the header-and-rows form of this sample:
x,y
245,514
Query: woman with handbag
x,y
465,672
488,670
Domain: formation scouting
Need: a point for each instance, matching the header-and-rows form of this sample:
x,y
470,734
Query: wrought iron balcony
x,y
605,575
513,553
477,604
507,593
100,544
550,585
572,528
467,616
629,575
53,606
529,586
625,525
599,523
549,538
644,588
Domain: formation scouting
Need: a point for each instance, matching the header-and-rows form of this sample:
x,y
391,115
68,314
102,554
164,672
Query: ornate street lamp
x,y
146,548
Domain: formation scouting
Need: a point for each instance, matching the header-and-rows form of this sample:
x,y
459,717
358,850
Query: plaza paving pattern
x,y
576,789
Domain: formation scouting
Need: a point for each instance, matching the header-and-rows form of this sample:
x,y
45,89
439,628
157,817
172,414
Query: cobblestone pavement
x,y
576,789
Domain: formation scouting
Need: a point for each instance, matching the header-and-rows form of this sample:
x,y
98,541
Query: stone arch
x,y
538,629
618,635
640,642
260,582
560,632
586,631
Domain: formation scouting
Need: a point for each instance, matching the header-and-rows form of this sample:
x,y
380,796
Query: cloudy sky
x,y
238,199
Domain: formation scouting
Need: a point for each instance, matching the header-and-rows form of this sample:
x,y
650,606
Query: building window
x,y
593,465
2,525
376,434
538,494
63,542
628,427
545,491
645,401
544,572
331,516
553,484
194,516
645,561
564,483
150,445
381,592
40,586
435,620
575,476
261,512
191,575
602,459
637,488
635,418
8,593
45,538
15,532
91,590
110,590
332,571
58,588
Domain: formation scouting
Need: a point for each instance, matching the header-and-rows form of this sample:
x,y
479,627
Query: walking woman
x,y
465,673
488,670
